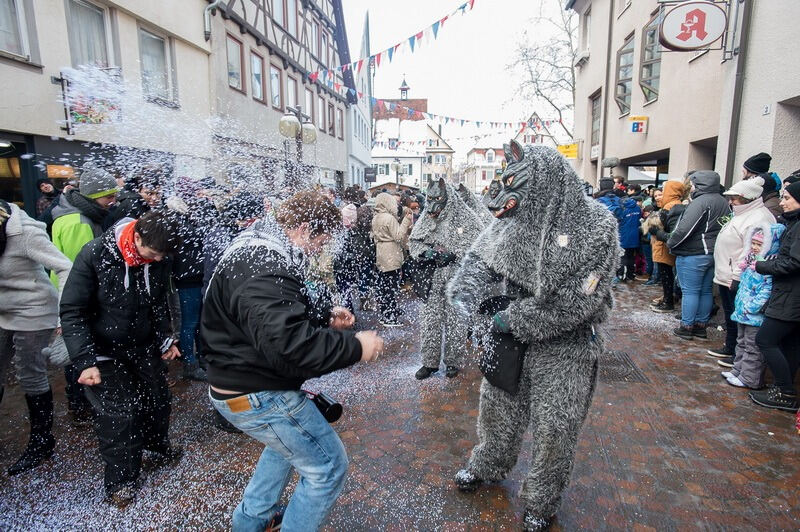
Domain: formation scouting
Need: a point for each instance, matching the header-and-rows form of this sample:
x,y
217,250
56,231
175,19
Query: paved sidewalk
x,y
667,446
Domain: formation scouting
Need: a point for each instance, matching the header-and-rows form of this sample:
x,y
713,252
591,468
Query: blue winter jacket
x,y
611,202
755,288
629,225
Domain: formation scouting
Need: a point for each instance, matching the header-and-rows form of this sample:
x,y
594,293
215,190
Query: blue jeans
x,y
647,251
191,303
696,275
295,435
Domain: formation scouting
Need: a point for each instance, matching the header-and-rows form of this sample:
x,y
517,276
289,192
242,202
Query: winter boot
x,y
424,372
534,523
467,481
41,443
193,372
683,332
123,496
451,372
699,330
774,397
166,459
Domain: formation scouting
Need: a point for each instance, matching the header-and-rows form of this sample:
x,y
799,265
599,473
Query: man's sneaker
x,y
467,481
534,523
734,381
699,331
424,372
122,497
391,323
662,308
193,372
726,362
657,300
451,372
651,282
773,397
721,352
727,375
683,332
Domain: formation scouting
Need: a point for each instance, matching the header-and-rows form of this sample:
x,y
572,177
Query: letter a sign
x,y
693,25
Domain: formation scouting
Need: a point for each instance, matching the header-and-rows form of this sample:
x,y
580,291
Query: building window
x,y
490,156
275,87
324,51
12,28
315,38
310,104
410,170
625,75
595,102
257,77
651,59
291,91
278,12
88,39
156,68
483,175
331,122
340,123
291,16
586,29
321,113
235,64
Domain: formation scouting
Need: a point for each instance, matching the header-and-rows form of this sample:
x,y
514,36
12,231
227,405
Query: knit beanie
x,y
96,182
748,189
758,164
794,190
349,215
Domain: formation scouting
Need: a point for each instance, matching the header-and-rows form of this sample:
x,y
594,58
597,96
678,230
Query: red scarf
x,y
127,247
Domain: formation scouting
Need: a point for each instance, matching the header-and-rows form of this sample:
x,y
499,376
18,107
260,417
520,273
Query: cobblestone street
x,y
667,446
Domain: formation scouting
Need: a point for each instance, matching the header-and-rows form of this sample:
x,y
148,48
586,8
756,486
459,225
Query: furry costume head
x,y
472,202
547,229
453,226
495,187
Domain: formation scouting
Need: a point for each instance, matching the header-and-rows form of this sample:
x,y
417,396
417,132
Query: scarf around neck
x,y
127,246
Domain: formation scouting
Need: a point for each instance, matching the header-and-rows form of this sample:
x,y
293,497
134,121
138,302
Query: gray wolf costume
x,y
443,234
558,273
474,204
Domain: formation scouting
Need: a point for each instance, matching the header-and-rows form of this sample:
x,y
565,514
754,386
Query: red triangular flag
x,y
471,4
378,59
441,22
419,35
360,64
313,76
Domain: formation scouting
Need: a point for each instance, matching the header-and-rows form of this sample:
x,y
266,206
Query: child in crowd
x,y
751,299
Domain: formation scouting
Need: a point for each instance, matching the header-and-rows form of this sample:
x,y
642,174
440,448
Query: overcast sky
x,y
463,72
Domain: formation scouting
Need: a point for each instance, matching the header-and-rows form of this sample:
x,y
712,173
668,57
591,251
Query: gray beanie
x,y
96,182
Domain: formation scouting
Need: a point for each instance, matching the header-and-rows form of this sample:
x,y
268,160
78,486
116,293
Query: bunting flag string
x,y
414,42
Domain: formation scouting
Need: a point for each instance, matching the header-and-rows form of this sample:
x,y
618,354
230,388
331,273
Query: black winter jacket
x,y
784,302
110,310
188,263
259,330
703,218
130,204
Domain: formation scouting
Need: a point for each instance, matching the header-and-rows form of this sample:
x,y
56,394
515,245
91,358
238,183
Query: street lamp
x,y
399,170
296,124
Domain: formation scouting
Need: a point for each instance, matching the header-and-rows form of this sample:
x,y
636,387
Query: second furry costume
x,y
558,275
443,234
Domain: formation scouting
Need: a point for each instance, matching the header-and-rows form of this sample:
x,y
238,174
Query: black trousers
x,y
76,398
132,403
667,274
728,299
387,287
779,342
627,269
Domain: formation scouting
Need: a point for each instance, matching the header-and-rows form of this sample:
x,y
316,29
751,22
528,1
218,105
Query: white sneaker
x,y
734,381
727,374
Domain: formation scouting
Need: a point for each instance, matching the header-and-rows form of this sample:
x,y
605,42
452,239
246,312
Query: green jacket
x,y
72,229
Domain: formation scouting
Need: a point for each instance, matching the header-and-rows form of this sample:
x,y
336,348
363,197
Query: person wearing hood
x,y
28,321
772,193
48,197
445,231
347,258
607,196
749,211
117,330
659,226
78,218
390,236
777,337
692,242
748,367
554,278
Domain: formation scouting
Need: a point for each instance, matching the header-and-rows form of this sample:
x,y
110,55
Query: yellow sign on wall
x,y
59,171
570,151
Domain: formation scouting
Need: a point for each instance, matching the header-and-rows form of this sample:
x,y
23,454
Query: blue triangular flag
x,y
410,113
435,29
391,53
411,41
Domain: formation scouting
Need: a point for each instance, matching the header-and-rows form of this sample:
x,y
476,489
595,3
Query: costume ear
x,y
441,182
507,152
516,151
461,187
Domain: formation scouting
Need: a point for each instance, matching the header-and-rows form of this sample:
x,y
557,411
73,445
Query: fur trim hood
x,y
454,230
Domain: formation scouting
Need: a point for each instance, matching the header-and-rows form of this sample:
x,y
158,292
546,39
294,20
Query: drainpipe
x,y
207,17
738,90
605,93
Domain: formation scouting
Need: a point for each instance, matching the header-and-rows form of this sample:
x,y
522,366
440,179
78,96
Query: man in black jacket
x,y
263,334
117,331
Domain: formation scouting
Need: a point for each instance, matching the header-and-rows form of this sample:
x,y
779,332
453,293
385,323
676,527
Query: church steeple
x,y
404,88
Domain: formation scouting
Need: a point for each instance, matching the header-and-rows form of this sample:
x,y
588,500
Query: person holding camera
x,y
262,338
